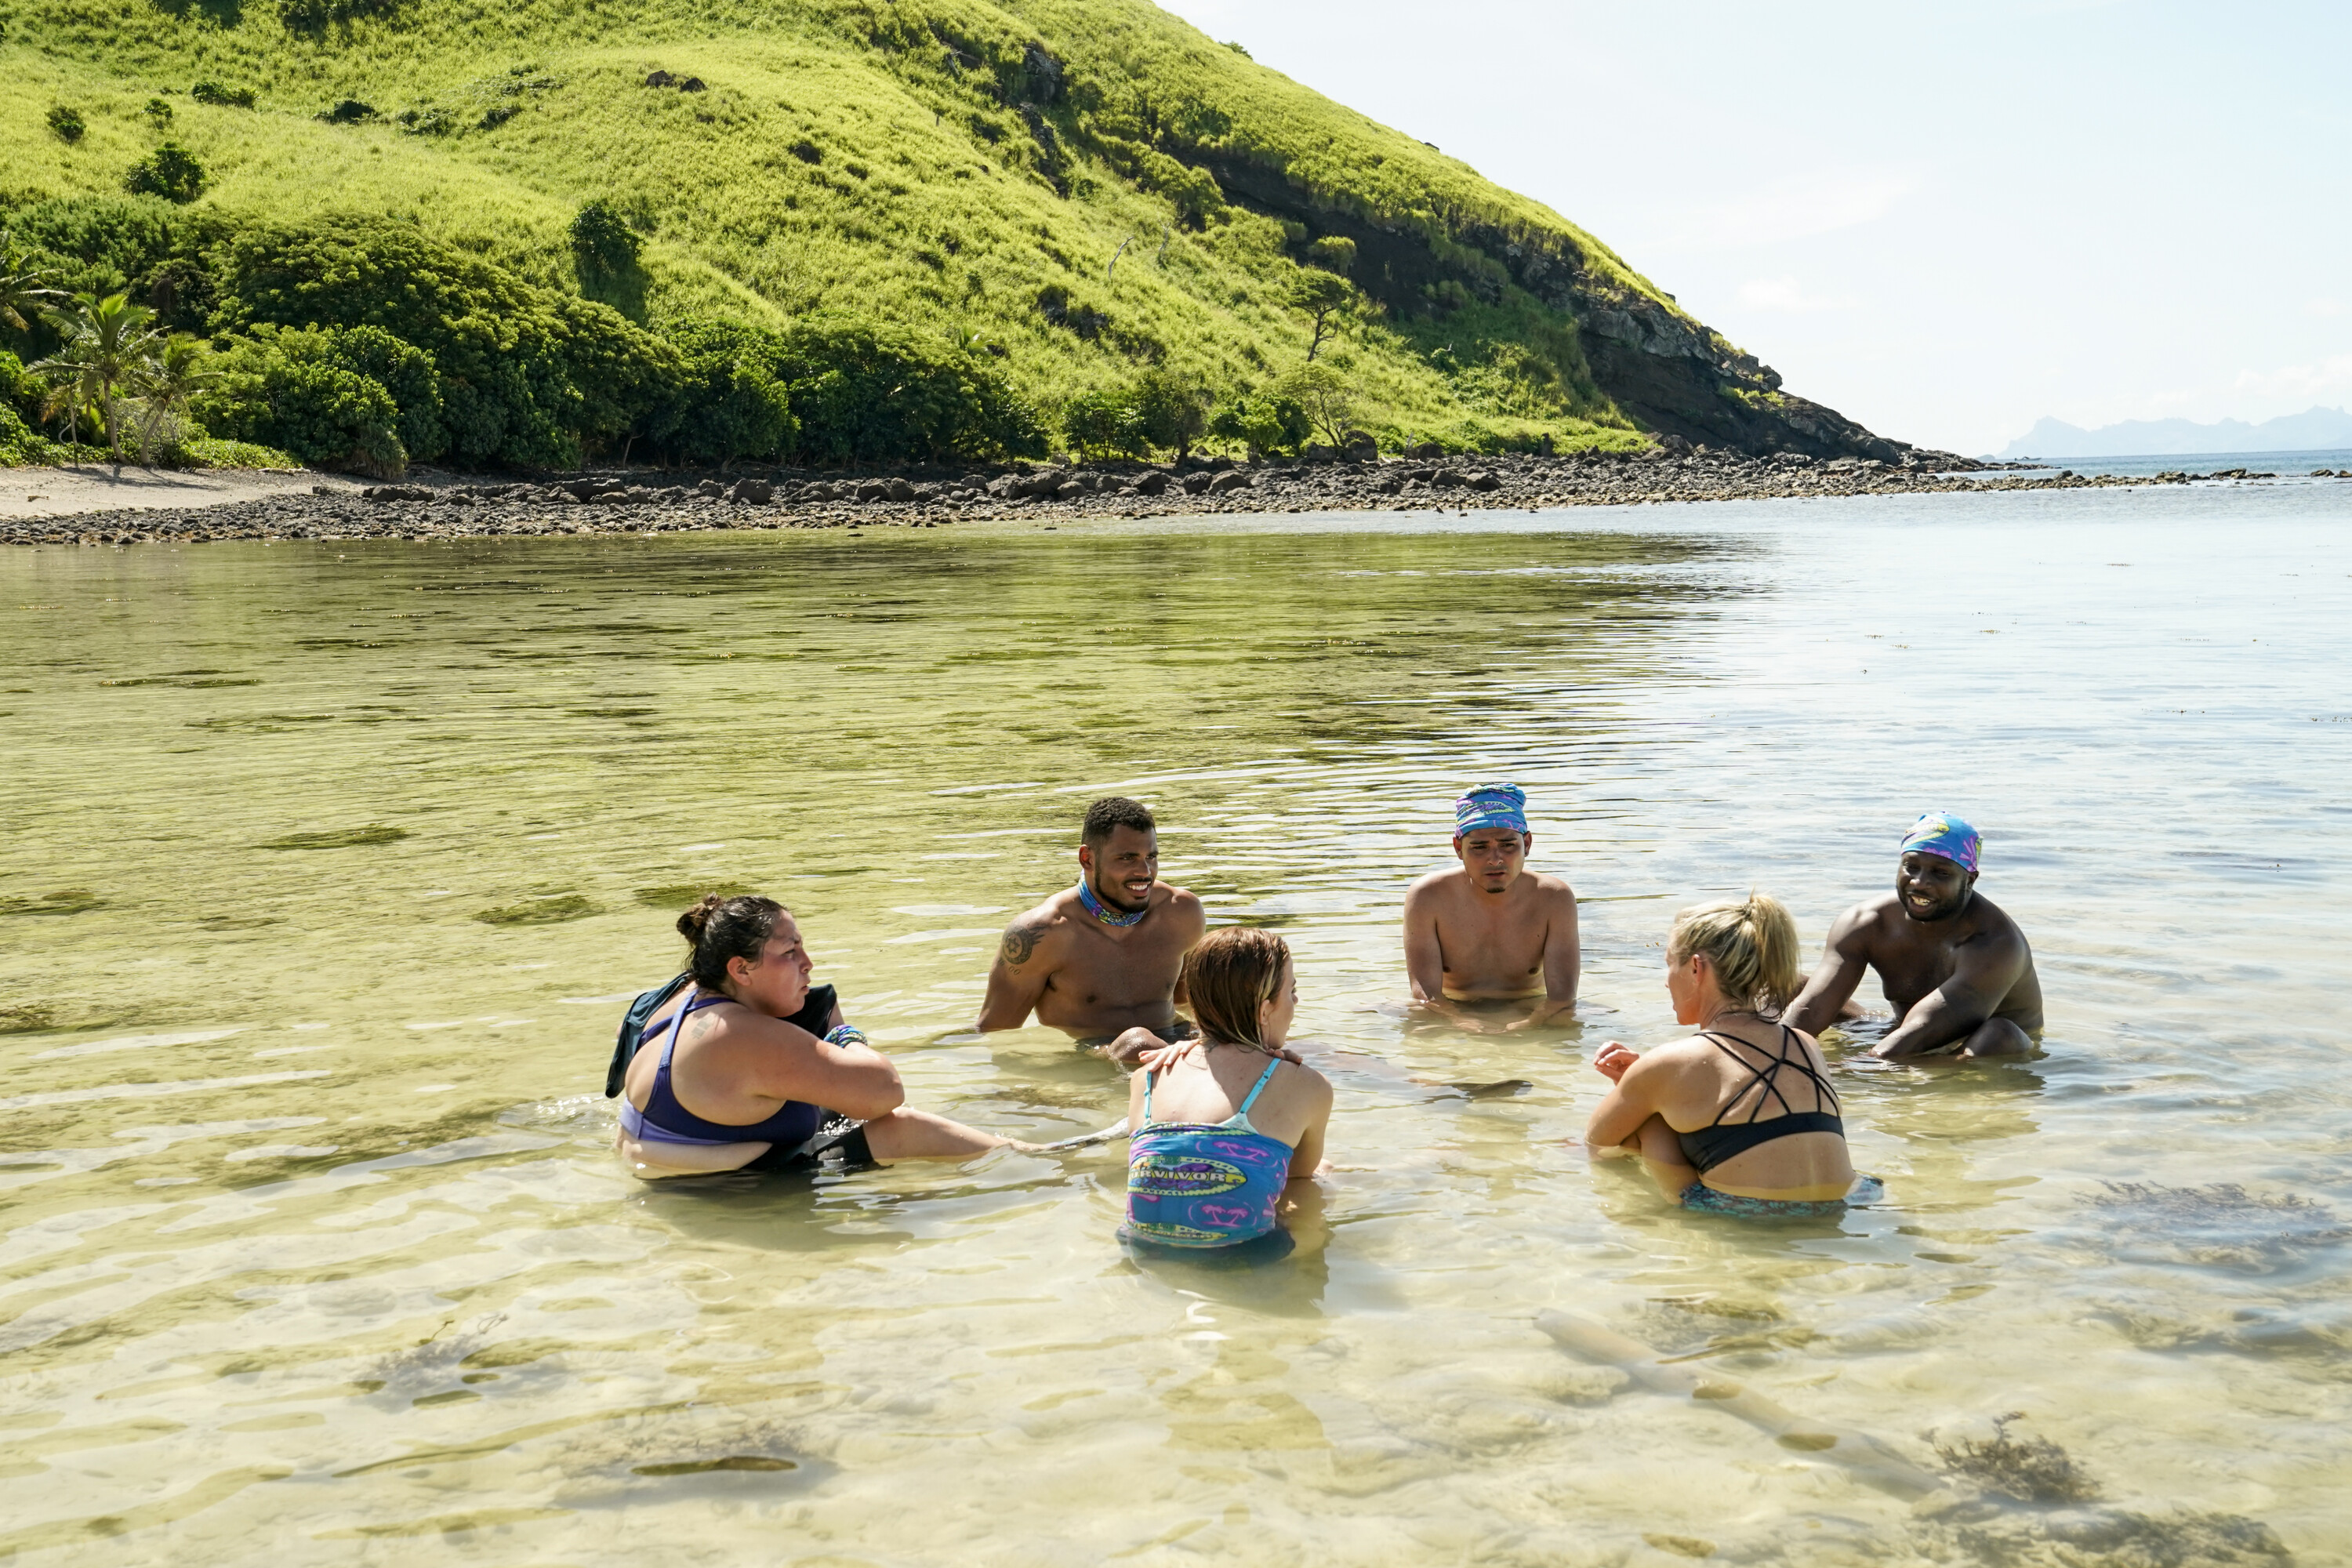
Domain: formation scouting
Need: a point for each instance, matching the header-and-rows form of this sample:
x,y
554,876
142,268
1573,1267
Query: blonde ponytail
x,y
1750,943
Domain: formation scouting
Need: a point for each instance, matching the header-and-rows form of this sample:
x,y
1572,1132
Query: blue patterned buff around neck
x,y
1103,912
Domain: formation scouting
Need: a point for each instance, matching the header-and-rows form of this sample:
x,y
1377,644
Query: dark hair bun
x,y
690,925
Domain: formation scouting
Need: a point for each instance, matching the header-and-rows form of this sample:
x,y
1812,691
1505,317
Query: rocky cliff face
x,y
1671,374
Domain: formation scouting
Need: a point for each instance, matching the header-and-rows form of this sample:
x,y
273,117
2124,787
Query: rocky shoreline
x,y
438,506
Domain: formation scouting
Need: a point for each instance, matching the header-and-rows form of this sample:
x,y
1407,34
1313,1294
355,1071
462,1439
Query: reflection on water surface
x,y
328,874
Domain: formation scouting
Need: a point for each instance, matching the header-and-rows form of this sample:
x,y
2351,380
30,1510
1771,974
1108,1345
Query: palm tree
x,y
22,295
109,348
181,370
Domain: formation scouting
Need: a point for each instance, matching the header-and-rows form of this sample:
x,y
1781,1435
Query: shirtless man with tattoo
x,y
1492,931
1102,961
1955,969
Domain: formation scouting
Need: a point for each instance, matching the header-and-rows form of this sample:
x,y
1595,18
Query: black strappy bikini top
x,y
1713,1144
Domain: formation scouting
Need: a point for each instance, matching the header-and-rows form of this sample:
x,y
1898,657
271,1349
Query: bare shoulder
x,y
1865,921
1673,1059
1034,931
1435,885
1184,901
1309,1082
1994,923
1552,889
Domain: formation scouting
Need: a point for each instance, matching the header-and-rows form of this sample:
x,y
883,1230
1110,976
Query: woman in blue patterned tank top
x,y
1223,1124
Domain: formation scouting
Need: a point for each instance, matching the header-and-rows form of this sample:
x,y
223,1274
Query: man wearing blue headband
x,y
1103,960
1490,930
1955,969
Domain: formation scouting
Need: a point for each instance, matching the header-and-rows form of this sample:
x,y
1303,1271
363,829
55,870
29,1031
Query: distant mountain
x,y
2314,430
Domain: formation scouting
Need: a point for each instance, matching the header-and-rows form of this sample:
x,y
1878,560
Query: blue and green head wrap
x,y
1491,805
1941,833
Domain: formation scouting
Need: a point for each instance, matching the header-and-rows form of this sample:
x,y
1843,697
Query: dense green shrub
x,y
406,373
865,393
1105,423
171,172
66,123
729,398
1171,406
20,392
1161,410
19,443
1264,420
316,15
141,245
21,440
324,396
527,375
219,93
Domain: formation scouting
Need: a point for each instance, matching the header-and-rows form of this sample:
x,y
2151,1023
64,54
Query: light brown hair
x,y
1752,945
1234,972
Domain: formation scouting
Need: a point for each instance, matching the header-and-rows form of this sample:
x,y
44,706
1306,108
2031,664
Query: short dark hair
x,y
1116,811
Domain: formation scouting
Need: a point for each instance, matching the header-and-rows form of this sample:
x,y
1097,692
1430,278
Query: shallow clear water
x,y
315,1252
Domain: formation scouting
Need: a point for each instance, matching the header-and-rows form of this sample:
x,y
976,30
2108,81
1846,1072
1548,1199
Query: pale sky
x,y
1943,220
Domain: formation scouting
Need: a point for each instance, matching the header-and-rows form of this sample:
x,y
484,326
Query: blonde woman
x,y
1740,1117
1224,1125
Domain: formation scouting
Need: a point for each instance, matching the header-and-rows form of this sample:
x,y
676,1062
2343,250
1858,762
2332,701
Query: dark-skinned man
x,y
1955,968
1103,960
1490,930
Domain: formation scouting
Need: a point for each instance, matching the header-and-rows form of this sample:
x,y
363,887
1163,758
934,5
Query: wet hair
x,y
721,928
1234,972
1113,812
1752,945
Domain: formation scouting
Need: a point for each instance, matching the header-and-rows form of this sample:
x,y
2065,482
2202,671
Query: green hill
x,y
1074,200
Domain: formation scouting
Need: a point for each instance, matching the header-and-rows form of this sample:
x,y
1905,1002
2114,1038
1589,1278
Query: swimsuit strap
x,y
1798,1059
1766,1076
1255,1089
1263,1079
676,1022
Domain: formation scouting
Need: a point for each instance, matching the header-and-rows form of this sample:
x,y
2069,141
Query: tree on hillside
x,y
604,248
603,240
1326,395
1333,253
171,172
1325,297
1171,408
109,351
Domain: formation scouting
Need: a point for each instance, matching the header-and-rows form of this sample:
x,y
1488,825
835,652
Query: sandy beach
x,y
71,492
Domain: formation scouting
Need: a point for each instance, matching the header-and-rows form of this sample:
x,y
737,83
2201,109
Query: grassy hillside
x,y
1075,189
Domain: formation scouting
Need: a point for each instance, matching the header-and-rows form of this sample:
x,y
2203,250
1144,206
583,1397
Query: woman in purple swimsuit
x,y
747,1068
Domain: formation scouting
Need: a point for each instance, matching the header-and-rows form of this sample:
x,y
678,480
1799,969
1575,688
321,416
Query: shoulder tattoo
x,y
1020,940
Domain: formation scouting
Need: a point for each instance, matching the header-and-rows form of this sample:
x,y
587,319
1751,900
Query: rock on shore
x,y
641,503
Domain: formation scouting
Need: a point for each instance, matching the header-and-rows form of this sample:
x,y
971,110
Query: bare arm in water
x,y
1983,974
1563,964
1630,1117
1845,958
1025,961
